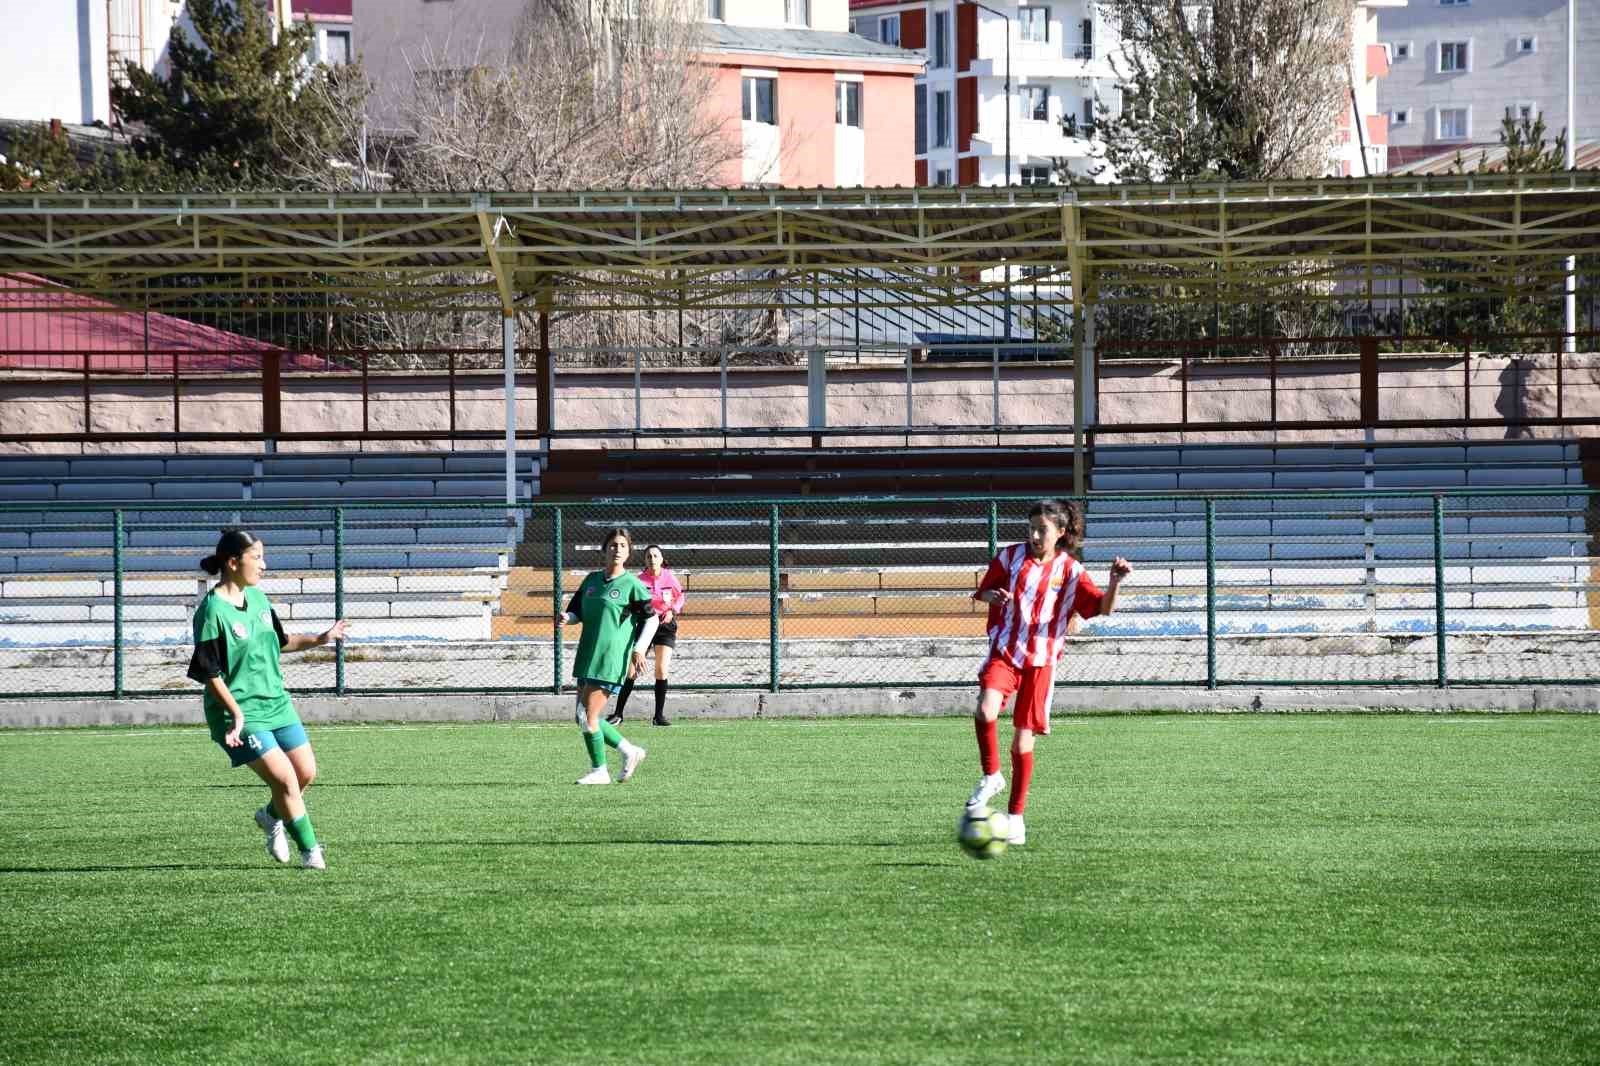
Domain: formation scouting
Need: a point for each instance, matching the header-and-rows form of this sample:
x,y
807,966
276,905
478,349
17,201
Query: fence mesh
x,y
1306,588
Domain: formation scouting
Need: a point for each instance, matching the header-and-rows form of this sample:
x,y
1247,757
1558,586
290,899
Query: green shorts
x,y
255,745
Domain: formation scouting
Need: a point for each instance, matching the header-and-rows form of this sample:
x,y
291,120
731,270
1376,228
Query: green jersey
x,y
611,613
241,646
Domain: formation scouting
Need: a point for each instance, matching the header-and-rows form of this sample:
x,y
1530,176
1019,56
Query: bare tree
x,y
1228,89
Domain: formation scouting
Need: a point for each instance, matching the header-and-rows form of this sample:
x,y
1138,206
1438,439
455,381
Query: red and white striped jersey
x,y
1030,628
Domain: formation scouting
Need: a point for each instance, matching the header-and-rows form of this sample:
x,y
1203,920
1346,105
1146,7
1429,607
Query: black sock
x,y
661,696
622,698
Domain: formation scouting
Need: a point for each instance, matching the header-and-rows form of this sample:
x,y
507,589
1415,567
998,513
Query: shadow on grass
x,y
255,783
567,843
208,867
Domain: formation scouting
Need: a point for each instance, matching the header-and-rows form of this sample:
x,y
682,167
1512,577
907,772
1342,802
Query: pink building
x,y
813,106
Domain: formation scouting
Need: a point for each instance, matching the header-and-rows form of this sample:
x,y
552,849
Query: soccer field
x,y
1252,889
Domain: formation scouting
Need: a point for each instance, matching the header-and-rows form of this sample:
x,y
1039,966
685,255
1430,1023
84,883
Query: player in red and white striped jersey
x,y
1033,590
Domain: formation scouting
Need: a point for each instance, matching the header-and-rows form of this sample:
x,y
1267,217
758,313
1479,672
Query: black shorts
x,y
666,635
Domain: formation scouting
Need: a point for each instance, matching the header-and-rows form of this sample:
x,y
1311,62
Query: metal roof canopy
x,y
380,250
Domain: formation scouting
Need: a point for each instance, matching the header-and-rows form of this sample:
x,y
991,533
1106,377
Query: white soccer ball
x,y
982,833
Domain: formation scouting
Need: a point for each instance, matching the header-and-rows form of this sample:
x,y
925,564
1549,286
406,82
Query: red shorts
x,y
1033,686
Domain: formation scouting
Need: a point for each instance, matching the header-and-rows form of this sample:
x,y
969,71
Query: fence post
x,y
1211,593
994,527
338,596
116,604
1438,592
772,598
556,591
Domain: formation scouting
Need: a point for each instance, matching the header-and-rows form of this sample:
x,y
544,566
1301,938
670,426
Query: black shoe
x,y
614,719
660,719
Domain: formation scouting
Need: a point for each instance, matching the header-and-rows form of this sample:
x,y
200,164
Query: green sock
x,y
596,747
610,733
302,832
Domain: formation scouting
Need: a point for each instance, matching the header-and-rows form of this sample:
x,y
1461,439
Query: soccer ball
x,y
982,833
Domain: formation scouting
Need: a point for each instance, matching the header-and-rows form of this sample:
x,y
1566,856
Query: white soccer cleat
x,y
313,860
630,762
277,839
989,786
598,776
1018,833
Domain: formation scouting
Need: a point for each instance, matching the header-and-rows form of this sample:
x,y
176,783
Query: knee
x,y
308,775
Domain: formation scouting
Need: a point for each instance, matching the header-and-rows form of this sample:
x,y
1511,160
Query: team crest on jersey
x,y
266,616
616,593
240,631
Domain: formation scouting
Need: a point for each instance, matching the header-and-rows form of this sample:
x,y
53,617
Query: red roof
x,y
55,328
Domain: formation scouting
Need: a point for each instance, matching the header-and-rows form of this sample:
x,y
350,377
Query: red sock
x,y
1021,775
988,745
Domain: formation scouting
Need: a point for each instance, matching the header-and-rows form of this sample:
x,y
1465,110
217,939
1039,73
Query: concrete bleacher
x,y
428,564
1297,563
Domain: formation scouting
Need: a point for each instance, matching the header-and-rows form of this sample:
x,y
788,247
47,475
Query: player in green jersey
x,y
618,622
237,641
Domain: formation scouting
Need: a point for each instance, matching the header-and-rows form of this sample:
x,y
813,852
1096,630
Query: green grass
x,y
1274,890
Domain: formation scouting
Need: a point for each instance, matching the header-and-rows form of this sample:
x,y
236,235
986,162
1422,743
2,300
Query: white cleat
x,y
277,839
313,860
989,786
1018,834
598,776
630,762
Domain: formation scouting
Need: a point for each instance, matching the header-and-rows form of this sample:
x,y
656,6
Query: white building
x,y
1059,69
1457,67
1363,146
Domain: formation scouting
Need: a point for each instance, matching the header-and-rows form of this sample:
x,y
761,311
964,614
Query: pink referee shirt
x,y
1030,629
665,592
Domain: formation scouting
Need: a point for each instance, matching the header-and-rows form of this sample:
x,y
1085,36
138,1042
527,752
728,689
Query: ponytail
x,y
233,544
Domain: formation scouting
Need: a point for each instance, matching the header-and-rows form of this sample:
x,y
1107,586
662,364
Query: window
x,y
941,38
1401,50
1036,103
336,53
1400,117
1525,111
1035,23
713,9
1453,3
1034,175
797,12
941,120
889,30
1085,51
1527,45
941,176
847,103
920,106
761,100
1452,123
1453,56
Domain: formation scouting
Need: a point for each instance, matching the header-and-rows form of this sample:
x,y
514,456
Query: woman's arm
x,y
1120,568
301,641
219,689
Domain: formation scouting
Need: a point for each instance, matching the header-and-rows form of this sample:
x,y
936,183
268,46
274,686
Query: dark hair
x,y
615,532
234,543
648,548
1067,518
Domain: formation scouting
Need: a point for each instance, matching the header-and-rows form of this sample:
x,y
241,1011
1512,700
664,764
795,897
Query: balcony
x,y
1064,66
1040,140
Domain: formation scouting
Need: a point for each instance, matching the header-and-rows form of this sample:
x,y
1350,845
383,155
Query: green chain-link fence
x,y
1492,586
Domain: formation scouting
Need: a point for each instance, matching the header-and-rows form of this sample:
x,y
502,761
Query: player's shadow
x,y
254,784
208,867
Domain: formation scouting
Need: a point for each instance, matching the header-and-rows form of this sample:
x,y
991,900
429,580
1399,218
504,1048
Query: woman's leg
x,y
986,722
1021,769
281,776
663,663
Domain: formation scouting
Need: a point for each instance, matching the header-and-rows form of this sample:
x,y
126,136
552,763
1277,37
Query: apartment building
x,y
62,67
809,103
1363,136
1457,67
1060,70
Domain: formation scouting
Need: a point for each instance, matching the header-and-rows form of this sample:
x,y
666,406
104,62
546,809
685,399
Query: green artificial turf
x,y
1252,889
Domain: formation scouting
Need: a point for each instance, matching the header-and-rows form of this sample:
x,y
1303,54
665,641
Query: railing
x,y
1478,586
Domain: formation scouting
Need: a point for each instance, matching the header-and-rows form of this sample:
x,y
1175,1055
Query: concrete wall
x,y
1413,387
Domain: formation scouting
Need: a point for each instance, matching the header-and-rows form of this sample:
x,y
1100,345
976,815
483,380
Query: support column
x,y
508,339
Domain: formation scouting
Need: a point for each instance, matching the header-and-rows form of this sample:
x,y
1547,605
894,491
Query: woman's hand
x,y
997,596
561,620
335,632
635,665
667,617
231,739
1120,568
